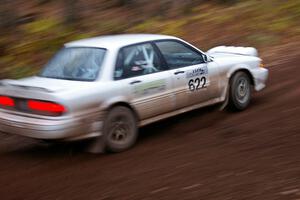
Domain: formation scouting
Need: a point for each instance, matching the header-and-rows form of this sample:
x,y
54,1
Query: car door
x,y
145,80
192,77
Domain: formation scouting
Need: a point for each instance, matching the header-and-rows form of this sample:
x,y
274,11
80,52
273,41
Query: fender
x,y
229,74
119,100
241,67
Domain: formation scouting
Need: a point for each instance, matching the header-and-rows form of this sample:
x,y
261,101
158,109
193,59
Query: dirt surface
x,y
204,154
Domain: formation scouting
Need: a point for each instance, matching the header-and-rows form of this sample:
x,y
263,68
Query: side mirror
x,y
207,58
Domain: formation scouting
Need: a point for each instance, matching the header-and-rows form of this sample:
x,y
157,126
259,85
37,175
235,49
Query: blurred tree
x,y
169,8
41,2
164,7
126,2
187,6
8,15
71,11
228,1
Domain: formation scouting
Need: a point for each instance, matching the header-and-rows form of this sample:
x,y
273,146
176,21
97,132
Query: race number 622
x,y
197,83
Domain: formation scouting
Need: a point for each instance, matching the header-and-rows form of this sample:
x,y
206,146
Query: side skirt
x,y
182,110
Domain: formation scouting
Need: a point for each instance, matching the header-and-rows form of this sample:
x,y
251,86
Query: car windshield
x,y
80,63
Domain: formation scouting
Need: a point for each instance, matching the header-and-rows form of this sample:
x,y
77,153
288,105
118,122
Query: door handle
x,y
135,82
179,72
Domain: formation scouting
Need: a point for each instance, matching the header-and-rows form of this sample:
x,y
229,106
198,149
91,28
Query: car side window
x,y
179,55
137,60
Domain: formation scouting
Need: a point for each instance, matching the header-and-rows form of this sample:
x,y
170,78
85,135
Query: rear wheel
x,y
240,91
120,129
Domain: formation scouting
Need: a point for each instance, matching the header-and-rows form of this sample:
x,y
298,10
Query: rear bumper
x,y
261,76
50,129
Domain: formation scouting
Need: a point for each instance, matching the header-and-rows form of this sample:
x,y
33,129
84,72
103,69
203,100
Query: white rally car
x,y
106,87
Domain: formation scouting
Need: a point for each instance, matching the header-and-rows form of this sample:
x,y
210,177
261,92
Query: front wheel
x,y
240,91
120,129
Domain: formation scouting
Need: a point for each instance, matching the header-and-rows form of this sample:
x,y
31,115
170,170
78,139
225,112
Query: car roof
x,y
117,41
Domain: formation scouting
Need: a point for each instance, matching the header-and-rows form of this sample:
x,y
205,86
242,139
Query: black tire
x,y
239,91
120,129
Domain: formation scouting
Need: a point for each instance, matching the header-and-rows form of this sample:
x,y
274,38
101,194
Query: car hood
x,y
231,50
43,84
230,60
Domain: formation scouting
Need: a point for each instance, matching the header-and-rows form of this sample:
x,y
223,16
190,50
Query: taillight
x,y
6,101
42,106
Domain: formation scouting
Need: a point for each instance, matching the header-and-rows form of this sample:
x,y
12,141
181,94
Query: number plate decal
x,y
197,78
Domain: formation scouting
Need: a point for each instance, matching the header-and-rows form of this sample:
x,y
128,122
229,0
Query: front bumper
x,y
51,129
261,76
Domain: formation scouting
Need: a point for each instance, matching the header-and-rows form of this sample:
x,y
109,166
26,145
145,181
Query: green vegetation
x,y
26,46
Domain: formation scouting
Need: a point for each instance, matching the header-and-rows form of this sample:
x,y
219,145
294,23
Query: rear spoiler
x,y
246,51
13,83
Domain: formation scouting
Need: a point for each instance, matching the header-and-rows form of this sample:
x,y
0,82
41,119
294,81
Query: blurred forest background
x,y
31,31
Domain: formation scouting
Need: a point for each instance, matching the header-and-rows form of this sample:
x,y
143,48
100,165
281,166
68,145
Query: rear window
x,y
80,63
